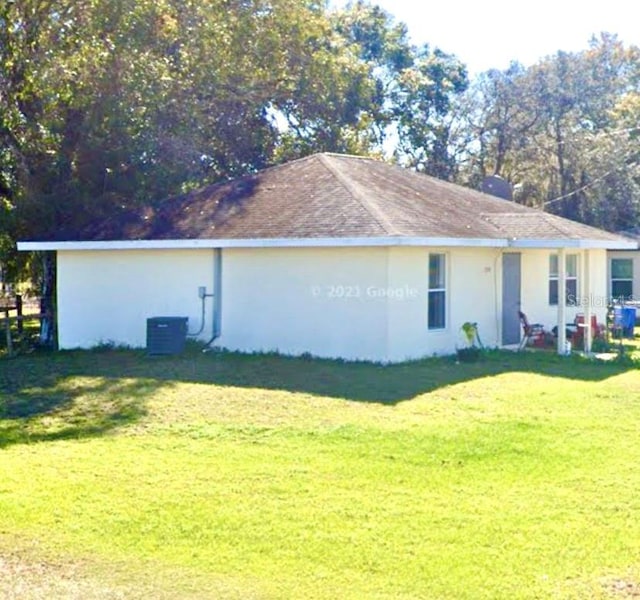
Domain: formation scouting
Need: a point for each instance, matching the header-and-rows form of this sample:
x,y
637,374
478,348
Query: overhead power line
x,y
586,186
582,188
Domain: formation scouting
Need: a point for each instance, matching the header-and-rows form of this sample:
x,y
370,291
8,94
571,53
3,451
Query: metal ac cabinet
x,y
166,335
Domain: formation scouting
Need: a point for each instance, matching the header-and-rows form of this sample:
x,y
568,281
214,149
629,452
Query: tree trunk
x,y
48,329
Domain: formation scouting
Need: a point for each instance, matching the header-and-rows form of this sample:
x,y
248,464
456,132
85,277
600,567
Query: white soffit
x,y
328,243
261,243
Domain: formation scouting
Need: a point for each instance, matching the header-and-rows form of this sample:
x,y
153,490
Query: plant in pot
x,y
471,352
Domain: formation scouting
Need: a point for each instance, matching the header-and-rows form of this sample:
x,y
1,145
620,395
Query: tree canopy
x,y
105,104
564,131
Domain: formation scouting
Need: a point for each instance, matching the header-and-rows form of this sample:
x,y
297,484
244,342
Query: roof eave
x,y
620,244
441,242
336,242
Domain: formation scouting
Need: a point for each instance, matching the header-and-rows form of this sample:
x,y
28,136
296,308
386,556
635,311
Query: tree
x,y
106,104
415,89
500,115
423,111
560,130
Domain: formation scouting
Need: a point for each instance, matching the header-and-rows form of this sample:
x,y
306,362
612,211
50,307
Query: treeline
x,y
109,103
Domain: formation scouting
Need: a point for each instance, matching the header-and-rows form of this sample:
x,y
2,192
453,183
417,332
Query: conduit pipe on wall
x,y
203,298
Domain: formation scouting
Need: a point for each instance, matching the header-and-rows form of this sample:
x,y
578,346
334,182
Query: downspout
x,y
217,299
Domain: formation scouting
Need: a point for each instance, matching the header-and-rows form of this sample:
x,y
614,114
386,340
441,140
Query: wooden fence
x,y
16,304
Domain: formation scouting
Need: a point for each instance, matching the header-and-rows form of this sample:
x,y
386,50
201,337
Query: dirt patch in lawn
x,y
621,588
30,580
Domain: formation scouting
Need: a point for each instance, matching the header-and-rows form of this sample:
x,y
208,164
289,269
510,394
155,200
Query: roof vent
x,y
497,186
166,335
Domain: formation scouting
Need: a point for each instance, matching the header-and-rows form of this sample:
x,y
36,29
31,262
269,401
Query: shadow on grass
x,y
37,388
388,384
38,405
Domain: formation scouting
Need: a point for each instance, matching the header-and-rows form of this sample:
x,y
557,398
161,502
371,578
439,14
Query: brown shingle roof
x,y
632,234
337,196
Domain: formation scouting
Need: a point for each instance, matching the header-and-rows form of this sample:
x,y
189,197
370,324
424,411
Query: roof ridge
x,y
557,226
342,155
379,216
559,223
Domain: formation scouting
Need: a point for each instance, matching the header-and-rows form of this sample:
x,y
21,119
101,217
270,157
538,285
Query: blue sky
x,y
488,34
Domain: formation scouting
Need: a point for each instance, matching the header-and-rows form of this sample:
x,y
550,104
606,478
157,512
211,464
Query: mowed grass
x,y
230,476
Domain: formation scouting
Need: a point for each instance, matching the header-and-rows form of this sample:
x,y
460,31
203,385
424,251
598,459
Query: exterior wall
x,y
106,296
471,296
535,287
476,293
296,300
354,303
635,256
598,295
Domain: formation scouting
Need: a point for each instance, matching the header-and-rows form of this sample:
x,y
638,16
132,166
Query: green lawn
x,y
229,476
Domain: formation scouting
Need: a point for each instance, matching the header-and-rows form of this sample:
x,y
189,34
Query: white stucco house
x,y
332,255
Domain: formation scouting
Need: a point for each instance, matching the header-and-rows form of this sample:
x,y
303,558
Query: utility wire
x,y
591,183
599,133
584,187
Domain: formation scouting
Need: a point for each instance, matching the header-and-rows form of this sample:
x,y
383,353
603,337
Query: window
x,y
571,278
622,278
437,291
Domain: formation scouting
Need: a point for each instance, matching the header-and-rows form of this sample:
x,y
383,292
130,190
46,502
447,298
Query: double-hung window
x,y
622,279
437,311
571,279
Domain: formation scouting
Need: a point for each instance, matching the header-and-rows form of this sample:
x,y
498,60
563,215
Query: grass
x,y
231,476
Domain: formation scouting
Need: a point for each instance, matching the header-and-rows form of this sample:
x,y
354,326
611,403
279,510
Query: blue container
x,y
628,320
624,319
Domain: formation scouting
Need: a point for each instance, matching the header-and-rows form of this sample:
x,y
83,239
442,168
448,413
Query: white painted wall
x,y
354,303
471,293
296,300
476,292
535,287
107,296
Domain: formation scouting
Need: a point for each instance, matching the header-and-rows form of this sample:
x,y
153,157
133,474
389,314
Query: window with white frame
x,y
622,279
437,312
571,279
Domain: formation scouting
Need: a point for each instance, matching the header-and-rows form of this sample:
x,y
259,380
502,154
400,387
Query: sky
x,y
486,34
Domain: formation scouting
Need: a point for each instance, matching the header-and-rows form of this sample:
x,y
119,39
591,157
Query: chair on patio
x,y
532,334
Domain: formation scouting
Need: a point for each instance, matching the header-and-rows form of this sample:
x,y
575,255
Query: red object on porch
x,y
533,334
578,336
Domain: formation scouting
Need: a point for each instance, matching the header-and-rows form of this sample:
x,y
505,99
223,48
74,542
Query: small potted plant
x,y
471,352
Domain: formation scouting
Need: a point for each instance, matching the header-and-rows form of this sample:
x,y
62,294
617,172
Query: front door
x,y
510,298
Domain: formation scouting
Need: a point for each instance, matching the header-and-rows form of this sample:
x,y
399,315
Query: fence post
x,y
7,324
19,312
